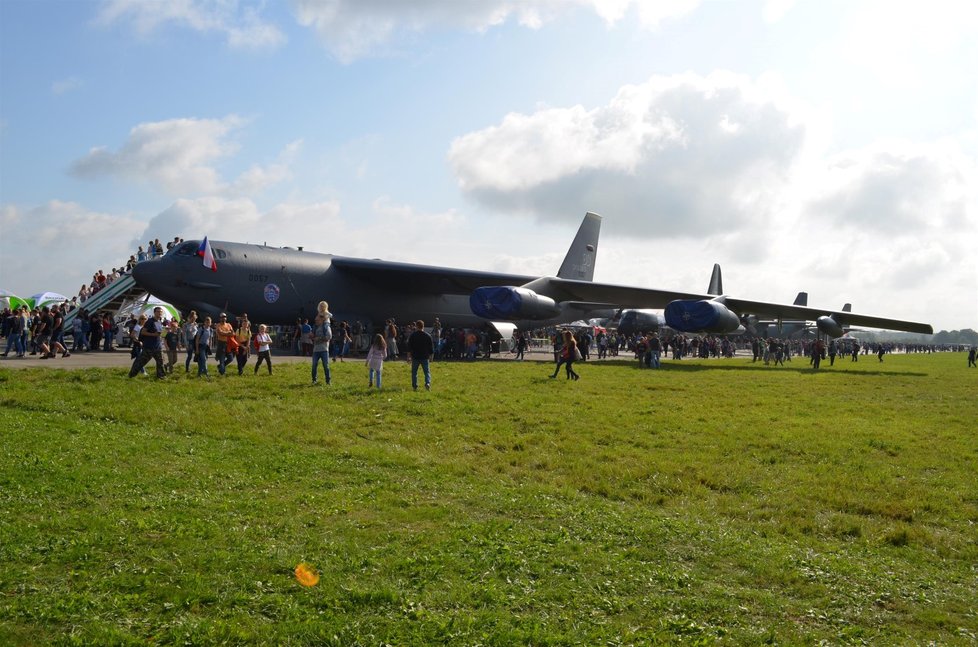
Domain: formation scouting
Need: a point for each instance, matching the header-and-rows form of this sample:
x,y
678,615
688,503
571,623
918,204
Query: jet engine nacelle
x,y
507,303
633,321
701,316
829,326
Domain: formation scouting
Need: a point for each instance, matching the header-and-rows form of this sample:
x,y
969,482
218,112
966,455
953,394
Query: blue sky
x,y
824,146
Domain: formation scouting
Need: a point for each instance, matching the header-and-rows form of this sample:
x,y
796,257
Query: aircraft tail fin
x,y
716,281
579,262
801,299
847,307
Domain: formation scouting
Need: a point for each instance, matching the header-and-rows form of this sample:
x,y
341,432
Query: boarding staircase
x,y
108,299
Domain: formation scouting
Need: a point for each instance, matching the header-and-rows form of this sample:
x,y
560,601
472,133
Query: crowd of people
x,y
41,331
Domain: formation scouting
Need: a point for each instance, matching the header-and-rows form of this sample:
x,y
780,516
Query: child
x,y
264,342
171,339
375,358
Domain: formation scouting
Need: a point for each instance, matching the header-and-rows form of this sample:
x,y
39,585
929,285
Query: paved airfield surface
x,y
120,358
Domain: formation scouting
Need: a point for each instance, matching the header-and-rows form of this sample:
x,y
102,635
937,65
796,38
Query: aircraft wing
x,y
421,278
606,294
784,311
633,297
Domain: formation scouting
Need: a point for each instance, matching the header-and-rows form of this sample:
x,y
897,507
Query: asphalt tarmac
x,y
119,358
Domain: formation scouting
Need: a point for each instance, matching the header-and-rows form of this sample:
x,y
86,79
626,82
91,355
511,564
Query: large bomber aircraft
x,y
279,285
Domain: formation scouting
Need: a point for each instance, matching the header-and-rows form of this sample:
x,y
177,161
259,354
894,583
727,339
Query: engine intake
x,y
507,303
701,316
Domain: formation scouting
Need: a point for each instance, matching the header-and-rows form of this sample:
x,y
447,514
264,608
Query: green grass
x,y
713,502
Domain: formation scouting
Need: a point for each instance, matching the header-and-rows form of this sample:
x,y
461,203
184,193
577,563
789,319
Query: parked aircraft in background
x,y
278,285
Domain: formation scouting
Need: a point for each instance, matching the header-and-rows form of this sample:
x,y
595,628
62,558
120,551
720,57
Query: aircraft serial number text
x,y
258,278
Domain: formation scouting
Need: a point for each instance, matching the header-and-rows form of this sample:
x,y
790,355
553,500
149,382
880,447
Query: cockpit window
x,y
189,248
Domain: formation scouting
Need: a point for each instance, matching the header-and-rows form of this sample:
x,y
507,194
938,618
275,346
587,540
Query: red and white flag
x,y
205,251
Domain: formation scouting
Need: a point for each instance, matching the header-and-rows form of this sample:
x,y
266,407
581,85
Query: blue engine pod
x,y
701,316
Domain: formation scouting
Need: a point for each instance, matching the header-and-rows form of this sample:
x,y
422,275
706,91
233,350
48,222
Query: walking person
x,y
150,338
264,343
322,334
171,341
375,360
190,328
202,346
568,355
222,333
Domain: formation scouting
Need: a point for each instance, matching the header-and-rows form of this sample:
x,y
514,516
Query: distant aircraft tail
x,y
847,307
716,281
579,262
801,299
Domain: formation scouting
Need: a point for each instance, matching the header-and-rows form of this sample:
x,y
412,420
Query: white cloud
x,y
242,26
352,29
673,156
179,157
49,247
894,187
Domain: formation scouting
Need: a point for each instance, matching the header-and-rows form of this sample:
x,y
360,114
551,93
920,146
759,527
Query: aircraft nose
x,y
143,273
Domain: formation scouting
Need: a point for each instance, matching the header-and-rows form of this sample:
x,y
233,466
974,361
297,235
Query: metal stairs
x,y
109,298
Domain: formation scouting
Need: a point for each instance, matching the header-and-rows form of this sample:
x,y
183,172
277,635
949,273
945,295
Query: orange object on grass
x,y
306,575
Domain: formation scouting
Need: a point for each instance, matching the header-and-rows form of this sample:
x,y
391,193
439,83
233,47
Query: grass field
x,y
711,502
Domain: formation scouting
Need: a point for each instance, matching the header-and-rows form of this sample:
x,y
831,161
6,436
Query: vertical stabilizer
x,y
801,299
847,307
716,281
579,262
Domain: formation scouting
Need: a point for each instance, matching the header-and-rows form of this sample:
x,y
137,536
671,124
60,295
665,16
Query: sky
x,y
826,146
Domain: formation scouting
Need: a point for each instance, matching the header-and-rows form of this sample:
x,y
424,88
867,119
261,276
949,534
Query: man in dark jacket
x,y
421,347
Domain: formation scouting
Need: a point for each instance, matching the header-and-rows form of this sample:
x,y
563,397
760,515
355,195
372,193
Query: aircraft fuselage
x,y
278,285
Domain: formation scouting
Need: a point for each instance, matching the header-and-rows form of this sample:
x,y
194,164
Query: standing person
x,y
243,336
391,331
171,341
376,355
521,345
202,346
108,332
222,332
322,333
817,349
189,338
880,350
655,348
341,341
971,357
150,337
833,351
420,347
264,343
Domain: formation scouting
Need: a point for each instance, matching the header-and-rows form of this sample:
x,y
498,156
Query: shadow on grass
x,y
720,365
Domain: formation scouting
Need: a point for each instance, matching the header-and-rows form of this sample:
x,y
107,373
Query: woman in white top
x,y
264,342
